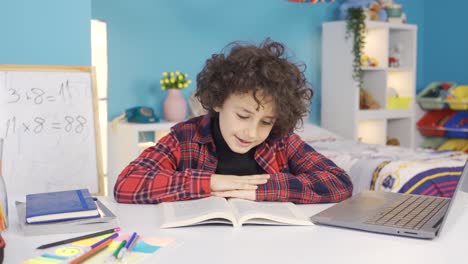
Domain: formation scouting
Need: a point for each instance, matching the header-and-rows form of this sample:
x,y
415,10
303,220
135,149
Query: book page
x,y
273,213
194,212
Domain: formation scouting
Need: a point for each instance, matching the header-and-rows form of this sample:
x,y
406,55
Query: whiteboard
x,y
48,120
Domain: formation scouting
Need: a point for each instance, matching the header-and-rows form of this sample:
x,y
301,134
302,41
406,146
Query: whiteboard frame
x,y
97,130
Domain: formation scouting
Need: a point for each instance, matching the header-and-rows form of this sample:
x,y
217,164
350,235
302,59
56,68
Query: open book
x,y
218,210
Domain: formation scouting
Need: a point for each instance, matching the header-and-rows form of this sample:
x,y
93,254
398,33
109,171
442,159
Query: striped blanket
x,y
438,177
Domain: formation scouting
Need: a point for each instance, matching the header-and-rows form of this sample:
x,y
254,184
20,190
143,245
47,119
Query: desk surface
x,y
268,244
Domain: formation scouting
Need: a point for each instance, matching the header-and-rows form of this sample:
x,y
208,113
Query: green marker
x,y
121,245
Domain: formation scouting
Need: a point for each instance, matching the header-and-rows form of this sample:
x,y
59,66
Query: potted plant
x,y
175,108
356,29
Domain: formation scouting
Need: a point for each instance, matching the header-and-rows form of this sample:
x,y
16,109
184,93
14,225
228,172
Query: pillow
x,y
311,132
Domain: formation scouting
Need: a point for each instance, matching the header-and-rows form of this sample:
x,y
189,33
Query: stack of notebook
x,y
63,212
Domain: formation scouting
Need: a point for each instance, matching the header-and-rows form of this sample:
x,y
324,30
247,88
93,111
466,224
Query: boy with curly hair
x,y
245,146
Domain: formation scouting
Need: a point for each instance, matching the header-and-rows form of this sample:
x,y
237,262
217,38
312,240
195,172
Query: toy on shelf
x,y
395,56
366,101
375,9
368,61
393,142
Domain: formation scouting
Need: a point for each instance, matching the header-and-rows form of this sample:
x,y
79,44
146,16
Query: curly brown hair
x,y
248,68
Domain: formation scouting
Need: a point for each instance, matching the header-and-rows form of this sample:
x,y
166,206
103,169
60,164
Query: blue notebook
x,y
59,206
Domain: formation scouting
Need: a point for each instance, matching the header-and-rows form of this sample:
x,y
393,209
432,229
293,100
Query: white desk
x,y
267,244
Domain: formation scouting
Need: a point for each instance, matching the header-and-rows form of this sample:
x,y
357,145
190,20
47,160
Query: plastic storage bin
x,y
433,142
457,126
458,144
432,123
401,102
433,96
457,98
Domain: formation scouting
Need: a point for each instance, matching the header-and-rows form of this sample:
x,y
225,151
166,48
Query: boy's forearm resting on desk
x,y
312,178
152,177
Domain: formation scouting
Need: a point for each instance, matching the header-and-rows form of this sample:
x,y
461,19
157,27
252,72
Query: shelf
x,y
392,26
374,68
384,114
378,24
400,69
367,68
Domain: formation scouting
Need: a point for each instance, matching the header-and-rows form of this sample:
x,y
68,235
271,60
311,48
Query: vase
x,y
175,108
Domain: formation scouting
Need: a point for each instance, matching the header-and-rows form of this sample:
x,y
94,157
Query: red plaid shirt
x,y
180,165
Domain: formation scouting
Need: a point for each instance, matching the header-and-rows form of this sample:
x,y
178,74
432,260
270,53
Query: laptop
x,y
398,214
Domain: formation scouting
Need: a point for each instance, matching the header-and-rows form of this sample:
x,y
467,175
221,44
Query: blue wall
x,y
446,42
415,11
147,37
45,32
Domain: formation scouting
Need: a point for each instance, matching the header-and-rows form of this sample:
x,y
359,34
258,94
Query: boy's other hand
x,y
221,183
242,194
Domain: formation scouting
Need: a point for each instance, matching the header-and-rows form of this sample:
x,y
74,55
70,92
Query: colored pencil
x,y
91,252
105,240
70,240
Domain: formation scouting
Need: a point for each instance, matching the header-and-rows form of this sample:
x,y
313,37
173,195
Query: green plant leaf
x,y
356,28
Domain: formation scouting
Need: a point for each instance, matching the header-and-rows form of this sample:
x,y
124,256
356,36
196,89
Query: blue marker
x,y
124,250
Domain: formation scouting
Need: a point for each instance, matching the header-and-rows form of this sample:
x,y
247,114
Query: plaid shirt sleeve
x,y
153,178
312,178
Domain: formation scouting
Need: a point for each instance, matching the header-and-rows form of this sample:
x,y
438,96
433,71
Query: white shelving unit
x,y
125,145
340,111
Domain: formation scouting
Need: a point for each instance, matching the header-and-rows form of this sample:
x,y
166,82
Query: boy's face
x,y
242,125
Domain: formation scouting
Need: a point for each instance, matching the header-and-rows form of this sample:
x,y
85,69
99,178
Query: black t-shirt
x,y
229,162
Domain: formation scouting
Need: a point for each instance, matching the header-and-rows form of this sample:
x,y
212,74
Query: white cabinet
x,y
340,111
127,141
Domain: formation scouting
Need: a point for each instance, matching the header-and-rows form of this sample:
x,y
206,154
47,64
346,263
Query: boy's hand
x,y
220,183
242,194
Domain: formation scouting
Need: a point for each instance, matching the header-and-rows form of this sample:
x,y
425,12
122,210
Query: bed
x,y
389,168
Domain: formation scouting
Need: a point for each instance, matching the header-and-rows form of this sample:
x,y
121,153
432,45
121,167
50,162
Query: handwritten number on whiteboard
x,y
15,95
39,124
65,88
69,125
61,91
39,93
10,126
81,122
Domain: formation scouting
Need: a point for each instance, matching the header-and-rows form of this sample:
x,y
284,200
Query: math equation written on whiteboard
x,y
42,124
39,96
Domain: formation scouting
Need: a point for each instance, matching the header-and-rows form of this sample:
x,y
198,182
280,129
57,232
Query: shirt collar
x,y
204,133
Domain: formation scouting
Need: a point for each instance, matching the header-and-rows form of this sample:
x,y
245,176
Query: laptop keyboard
x,y
410,212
